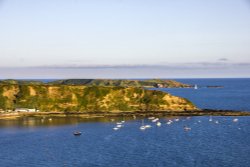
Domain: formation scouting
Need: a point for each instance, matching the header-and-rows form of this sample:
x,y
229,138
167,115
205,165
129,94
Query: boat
x,y
156,119
119,126
186,128
169,122
115,128
235,120
195,86
158,124
142,127
147,126
151,118
77,133
210,119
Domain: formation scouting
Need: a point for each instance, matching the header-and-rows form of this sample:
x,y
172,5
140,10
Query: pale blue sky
x,y
144,34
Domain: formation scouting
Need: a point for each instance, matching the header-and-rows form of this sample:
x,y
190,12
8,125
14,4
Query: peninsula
x,y
68,98
96,98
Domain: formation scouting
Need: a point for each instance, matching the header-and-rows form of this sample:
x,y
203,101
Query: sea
x,y
218,141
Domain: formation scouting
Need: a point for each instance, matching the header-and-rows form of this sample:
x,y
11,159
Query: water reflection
x,y
55,121
67,120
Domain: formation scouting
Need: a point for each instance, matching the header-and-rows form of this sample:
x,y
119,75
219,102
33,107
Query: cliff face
x,y
88,98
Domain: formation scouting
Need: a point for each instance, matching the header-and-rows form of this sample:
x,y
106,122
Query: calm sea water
x,y
235,94
29,142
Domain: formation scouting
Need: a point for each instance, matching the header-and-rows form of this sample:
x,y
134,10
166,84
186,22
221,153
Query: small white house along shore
x,y
19,110
26,110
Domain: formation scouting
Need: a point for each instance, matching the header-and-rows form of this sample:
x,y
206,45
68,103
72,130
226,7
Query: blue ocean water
x,y
29,142
206,144
235,94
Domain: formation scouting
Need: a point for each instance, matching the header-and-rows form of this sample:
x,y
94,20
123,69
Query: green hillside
x,y
88,98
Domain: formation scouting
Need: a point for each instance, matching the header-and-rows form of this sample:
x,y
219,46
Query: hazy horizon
x,y
116,73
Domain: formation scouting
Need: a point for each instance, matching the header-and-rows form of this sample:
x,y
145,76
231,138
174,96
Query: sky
x,y
124,39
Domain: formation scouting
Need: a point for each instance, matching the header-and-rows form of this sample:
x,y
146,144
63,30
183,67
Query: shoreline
x,y
204,112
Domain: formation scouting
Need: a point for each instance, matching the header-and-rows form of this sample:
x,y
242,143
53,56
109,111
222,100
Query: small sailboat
x,y
186,128
148,126
195,86
142,127
77,133
119,126
158,124
235,120
155,120
210,119
169,123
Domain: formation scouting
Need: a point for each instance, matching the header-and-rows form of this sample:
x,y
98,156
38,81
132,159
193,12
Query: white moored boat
x,y
148,126
142,127
195,86
155,120
235,120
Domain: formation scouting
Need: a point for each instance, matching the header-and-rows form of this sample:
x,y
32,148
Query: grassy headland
x,y
78,98
97,98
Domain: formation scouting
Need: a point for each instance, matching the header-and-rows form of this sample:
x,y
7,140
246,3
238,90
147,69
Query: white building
x,y
21,110
25,110
31,110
